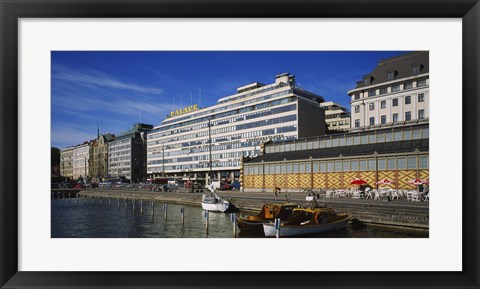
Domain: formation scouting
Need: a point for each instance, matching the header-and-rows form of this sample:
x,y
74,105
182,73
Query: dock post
x,y
233,218
153,210
109,201
63,195
100,200
125,201
93,199
118,202
206,221
85,198
141,207
277,227
165,209
133,205
182,211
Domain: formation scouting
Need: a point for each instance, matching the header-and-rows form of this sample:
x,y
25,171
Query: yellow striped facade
x,y
333,180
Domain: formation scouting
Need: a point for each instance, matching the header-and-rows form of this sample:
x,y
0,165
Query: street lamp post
x,y
210,148
163,160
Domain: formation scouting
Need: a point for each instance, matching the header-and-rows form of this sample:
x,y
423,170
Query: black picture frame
x,y
11,11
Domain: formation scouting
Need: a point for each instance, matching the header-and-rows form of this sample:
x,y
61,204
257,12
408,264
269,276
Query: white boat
x,y
305,221
214,203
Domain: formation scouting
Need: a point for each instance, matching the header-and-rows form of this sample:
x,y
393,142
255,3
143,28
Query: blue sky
x,y
118,89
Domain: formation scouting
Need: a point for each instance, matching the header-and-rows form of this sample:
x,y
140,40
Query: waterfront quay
x,y
401,214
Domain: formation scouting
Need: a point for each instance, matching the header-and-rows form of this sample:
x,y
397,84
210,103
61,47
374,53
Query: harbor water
x,y
95,218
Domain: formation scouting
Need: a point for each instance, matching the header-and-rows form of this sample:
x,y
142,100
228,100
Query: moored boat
x,y
268,213
305,221
214,203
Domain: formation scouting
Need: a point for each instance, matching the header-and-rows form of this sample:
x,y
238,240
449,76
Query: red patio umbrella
x,y
358,181
385,182
416,182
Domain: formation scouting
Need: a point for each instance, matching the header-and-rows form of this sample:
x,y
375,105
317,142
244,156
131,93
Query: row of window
x,y
202,166
393,88
222,109
383,118
221,130
383,103
371,137
370,164
256,124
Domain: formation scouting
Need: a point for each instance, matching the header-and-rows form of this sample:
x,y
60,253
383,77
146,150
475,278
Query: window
x,y
357,96
363,165
357,123
371,106
357,108
416,70
411,163
383,90
366,81
421,83
395,102
372,93
381,164
346,166
372,120
395,88
421,114
390,75
371,165
408,85
408,99
421,97
354,166
383,104
408,116
423,162
395,118
383,119
390,164
401,164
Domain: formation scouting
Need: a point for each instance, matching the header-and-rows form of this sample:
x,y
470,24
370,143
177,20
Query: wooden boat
x,y
304,221
268,213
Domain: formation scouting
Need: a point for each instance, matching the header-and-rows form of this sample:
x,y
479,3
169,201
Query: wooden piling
x,y
234,222
141,206
153,210
206,221
125,201
165,210
277,227
182,211
133,205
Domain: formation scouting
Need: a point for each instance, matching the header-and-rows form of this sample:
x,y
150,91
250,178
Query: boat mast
x,y
210,150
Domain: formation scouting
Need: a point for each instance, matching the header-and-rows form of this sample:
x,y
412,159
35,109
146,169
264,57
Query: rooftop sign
x,y
184,110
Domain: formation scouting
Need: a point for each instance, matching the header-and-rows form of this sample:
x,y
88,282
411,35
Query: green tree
x,y
55,159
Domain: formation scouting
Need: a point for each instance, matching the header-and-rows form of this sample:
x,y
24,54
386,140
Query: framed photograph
x,y
43,44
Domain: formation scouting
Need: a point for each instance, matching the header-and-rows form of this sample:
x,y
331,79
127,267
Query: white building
x,y
395,92
337,116
81,160
66,162
237,124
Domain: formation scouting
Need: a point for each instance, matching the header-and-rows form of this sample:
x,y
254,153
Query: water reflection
x,y
80,218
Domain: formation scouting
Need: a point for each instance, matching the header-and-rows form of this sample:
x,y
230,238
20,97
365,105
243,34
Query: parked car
x,y
80,186
235,185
